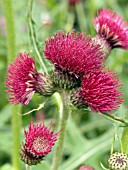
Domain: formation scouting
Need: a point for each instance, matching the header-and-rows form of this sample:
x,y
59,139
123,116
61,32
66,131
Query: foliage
x,y
88,136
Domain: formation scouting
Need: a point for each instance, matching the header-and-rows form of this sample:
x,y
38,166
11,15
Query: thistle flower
x,y
23,80
86,167
111,27
73,55
118,161
39,142
100,91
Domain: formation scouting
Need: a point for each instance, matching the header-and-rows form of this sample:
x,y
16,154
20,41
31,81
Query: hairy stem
x,y
28,167
70,20
64,114
116,119
81,16
33,35
11,46
124,140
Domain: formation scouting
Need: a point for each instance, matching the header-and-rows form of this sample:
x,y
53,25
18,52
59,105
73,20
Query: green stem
x,y
33,35
115,118
81,16
64,114
28,167
16,127
124,139
10,29
11,46
70,19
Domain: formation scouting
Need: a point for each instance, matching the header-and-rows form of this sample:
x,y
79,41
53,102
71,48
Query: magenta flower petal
x,y
102,91
111,26
74,53
18,77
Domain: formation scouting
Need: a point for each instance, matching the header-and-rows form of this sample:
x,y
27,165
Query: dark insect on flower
x,y
23,80
39,142
111,27
100,91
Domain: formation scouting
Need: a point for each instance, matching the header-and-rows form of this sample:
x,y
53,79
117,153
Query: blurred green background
x,y
89,136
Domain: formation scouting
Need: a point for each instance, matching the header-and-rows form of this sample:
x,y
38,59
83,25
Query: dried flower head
x,y
73,54
39,142
110,26
86,167
118,161
100,91
23,80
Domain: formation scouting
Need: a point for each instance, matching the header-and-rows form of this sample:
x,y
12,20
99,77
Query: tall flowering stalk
x,y
73,56
11,46
63,118
78,62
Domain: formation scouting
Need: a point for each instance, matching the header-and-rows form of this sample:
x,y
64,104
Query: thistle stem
x,y
124,139
28,167
116,119
70,19
81,16
33,34
11,46
64,114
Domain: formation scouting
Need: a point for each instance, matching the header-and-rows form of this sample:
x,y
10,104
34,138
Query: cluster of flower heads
x,y
79,63
79,67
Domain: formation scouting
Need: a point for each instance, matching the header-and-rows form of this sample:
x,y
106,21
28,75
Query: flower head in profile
x,y
111,26
86,167
118,161
101,91
39,142
73,54
23,80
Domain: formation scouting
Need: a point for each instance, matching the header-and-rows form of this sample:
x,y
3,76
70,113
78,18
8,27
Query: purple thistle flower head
x,y
102,92
39,142
73,53
110,26
23,80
